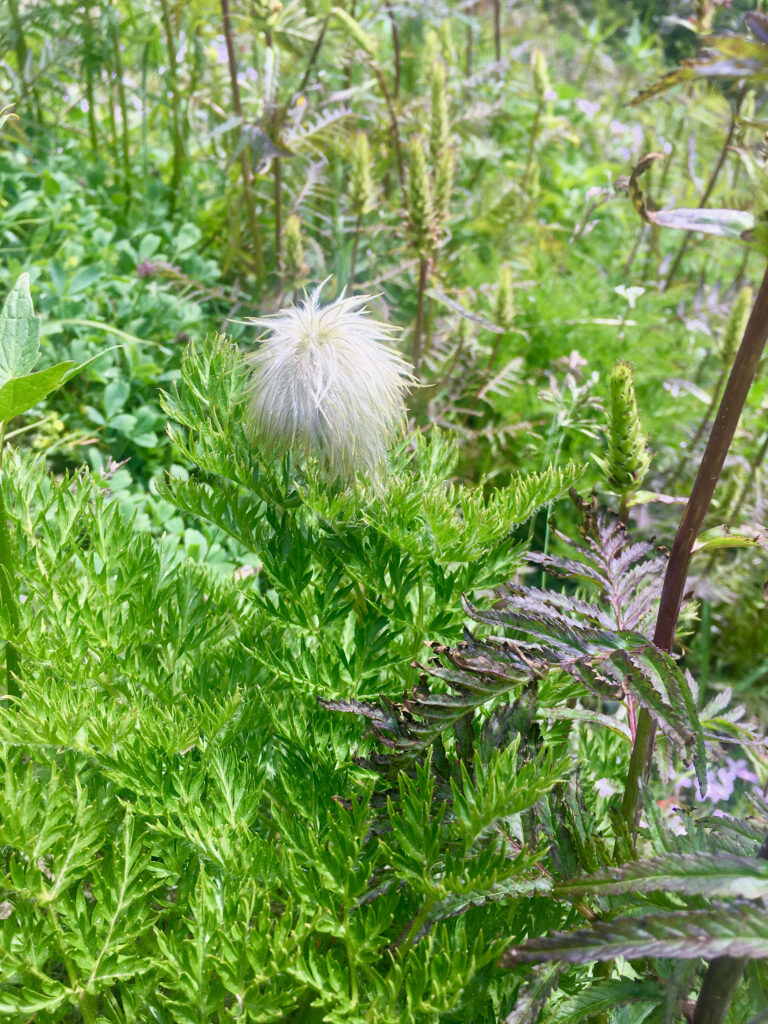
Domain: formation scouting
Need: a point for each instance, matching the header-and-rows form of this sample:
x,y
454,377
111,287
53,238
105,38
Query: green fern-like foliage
x,y
598,643
359,578
179,834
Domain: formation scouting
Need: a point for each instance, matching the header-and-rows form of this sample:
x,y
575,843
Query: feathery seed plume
x,y
326,381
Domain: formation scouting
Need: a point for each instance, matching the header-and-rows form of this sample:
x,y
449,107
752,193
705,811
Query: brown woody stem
x,y
731,407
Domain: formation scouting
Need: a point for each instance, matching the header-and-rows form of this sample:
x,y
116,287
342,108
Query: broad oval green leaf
x,y
19,332
20,393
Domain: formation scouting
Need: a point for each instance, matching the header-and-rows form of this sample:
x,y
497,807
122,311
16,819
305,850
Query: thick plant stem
x,y
245,159
734,398
721,980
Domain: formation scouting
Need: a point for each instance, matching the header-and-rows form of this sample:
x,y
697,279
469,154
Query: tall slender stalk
x,y
19,43
313,55
7,588
176,133
392,121
245,158
114,141
497,29
710,187
123,104
734,398
418,328
278,186
397,59
355,244
534,134
88,62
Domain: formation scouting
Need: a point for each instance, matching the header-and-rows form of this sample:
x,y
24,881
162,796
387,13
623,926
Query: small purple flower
x,y
721,781
605,787
588,107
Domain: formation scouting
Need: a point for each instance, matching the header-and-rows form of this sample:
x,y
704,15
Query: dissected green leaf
x,y
533,995
738,931
706,874
607,995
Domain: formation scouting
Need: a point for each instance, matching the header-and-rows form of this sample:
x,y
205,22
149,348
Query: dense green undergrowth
x,y
276,746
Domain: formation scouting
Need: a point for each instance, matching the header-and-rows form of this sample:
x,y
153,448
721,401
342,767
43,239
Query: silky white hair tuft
x,y
326,380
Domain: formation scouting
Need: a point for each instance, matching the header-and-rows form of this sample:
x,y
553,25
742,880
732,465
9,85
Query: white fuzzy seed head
x,y
326,381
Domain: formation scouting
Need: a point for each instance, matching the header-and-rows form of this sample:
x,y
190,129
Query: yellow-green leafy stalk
x,y
360,179
627,460
360,193
325,381
294,262
421,209
421,228
439,125
734,327
504,305
540,72
442,157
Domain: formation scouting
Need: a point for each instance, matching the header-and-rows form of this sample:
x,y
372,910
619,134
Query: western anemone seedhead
x,y
326,381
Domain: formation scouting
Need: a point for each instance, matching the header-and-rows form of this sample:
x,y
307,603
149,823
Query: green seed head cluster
x,y
439,126
361,182
355,31
541,82
734,327
422,229
445,173
294,263
504,306
442,156
627,461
